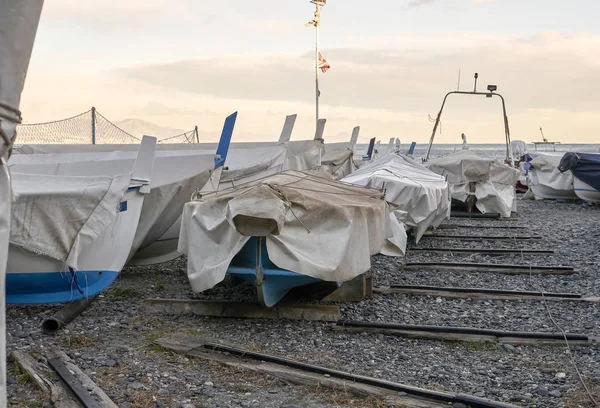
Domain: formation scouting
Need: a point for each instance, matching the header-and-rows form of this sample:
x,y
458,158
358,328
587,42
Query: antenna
x,y
475,87
458,84
543,138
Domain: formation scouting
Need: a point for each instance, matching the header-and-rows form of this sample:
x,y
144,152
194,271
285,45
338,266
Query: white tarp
x,y
18,25
546,181
338,163
494,181
175,177
422,196
58,216
313,225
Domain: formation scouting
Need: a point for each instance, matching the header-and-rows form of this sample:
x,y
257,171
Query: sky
x,y
182,63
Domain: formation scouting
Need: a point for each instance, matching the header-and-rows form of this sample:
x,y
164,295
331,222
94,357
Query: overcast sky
x,y
181,63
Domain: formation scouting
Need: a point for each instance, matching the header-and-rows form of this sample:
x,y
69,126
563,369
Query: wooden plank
x,y
191,346
415,334
467,226
482,237
503,269
479,295
100,396
313,312
57,391
496,251
355,290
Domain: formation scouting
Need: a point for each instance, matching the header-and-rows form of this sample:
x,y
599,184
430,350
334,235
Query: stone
x,y
459,405
11,380
135,385
555,393
110,363
208,383
479,394
560,376
188,406
542,392
509,347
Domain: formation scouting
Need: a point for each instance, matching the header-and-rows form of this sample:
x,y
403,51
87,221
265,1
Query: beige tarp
x,y
313,225
494,181
58,216
18,25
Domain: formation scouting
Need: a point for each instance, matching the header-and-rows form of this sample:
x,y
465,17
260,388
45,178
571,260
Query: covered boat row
x,y
562,176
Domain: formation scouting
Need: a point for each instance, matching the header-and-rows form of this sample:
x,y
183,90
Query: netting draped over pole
x,y
89,127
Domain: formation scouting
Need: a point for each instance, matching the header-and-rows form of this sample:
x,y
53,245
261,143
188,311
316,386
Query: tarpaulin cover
x,y
585,166
58,216
338,163
494,181
546,180
175,177
422,196
313,225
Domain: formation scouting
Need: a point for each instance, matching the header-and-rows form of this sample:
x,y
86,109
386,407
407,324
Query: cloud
x,y
548,80
108,15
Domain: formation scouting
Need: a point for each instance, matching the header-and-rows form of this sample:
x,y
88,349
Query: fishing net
x,y
90,127
187,137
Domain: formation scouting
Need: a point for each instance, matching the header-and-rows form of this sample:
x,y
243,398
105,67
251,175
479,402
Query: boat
x,y
71,234
338,158
421,196
177,175
478,182
244,164
18,26
545,180
285,231
585,168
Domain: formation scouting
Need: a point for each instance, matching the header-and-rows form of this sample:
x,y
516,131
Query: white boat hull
x,y
542,192
33,278
585,191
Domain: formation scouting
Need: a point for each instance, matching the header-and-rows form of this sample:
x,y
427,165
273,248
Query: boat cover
x,y
175,177
494,181
422,196
584,166
58,216
313,225
545,173
338,163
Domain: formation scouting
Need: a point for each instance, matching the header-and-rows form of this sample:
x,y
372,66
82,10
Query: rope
x,y
559,328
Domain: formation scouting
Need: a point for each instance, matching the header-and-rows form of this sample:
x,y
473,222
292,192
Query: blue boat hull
x,y
55,287
252,264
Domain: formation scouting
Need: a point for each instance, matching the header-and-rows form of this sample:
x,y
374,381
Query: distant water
x,y
490,150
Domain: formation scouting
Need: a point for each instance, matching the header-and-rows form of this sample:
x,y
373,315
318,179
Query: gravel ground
x,y
112,340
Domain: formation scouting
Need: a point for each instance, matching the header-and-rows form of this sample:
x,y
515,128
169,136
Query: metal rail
x,y
463,330
515,293
470,401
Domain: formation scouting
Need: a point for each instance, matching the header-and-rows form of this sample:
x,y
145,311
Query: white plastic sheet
x,y
313,226
546,181
58,216
18,25
494,181
422,196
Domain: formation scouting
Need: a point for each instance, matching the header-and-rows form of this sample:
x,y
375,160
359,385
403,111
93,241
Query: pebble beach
x,y
113,340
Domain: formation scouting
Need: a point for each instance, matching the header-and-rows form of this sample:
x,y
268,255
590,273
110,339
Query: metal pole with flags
x,y
320,62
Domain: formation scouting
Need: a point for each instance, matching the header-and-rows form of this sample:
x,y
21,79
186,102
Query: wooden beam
x,y
488,295
500,268
452,336
57,391
487,251
482,237
193,346
100,396
313,312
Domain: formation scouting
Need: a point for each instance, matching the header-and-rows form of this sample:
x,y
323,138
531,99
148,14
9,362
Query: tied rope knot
x,y
280,193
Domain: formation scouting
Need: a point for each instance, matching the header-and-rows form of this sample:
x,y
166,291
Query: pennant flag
x,y
323,64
